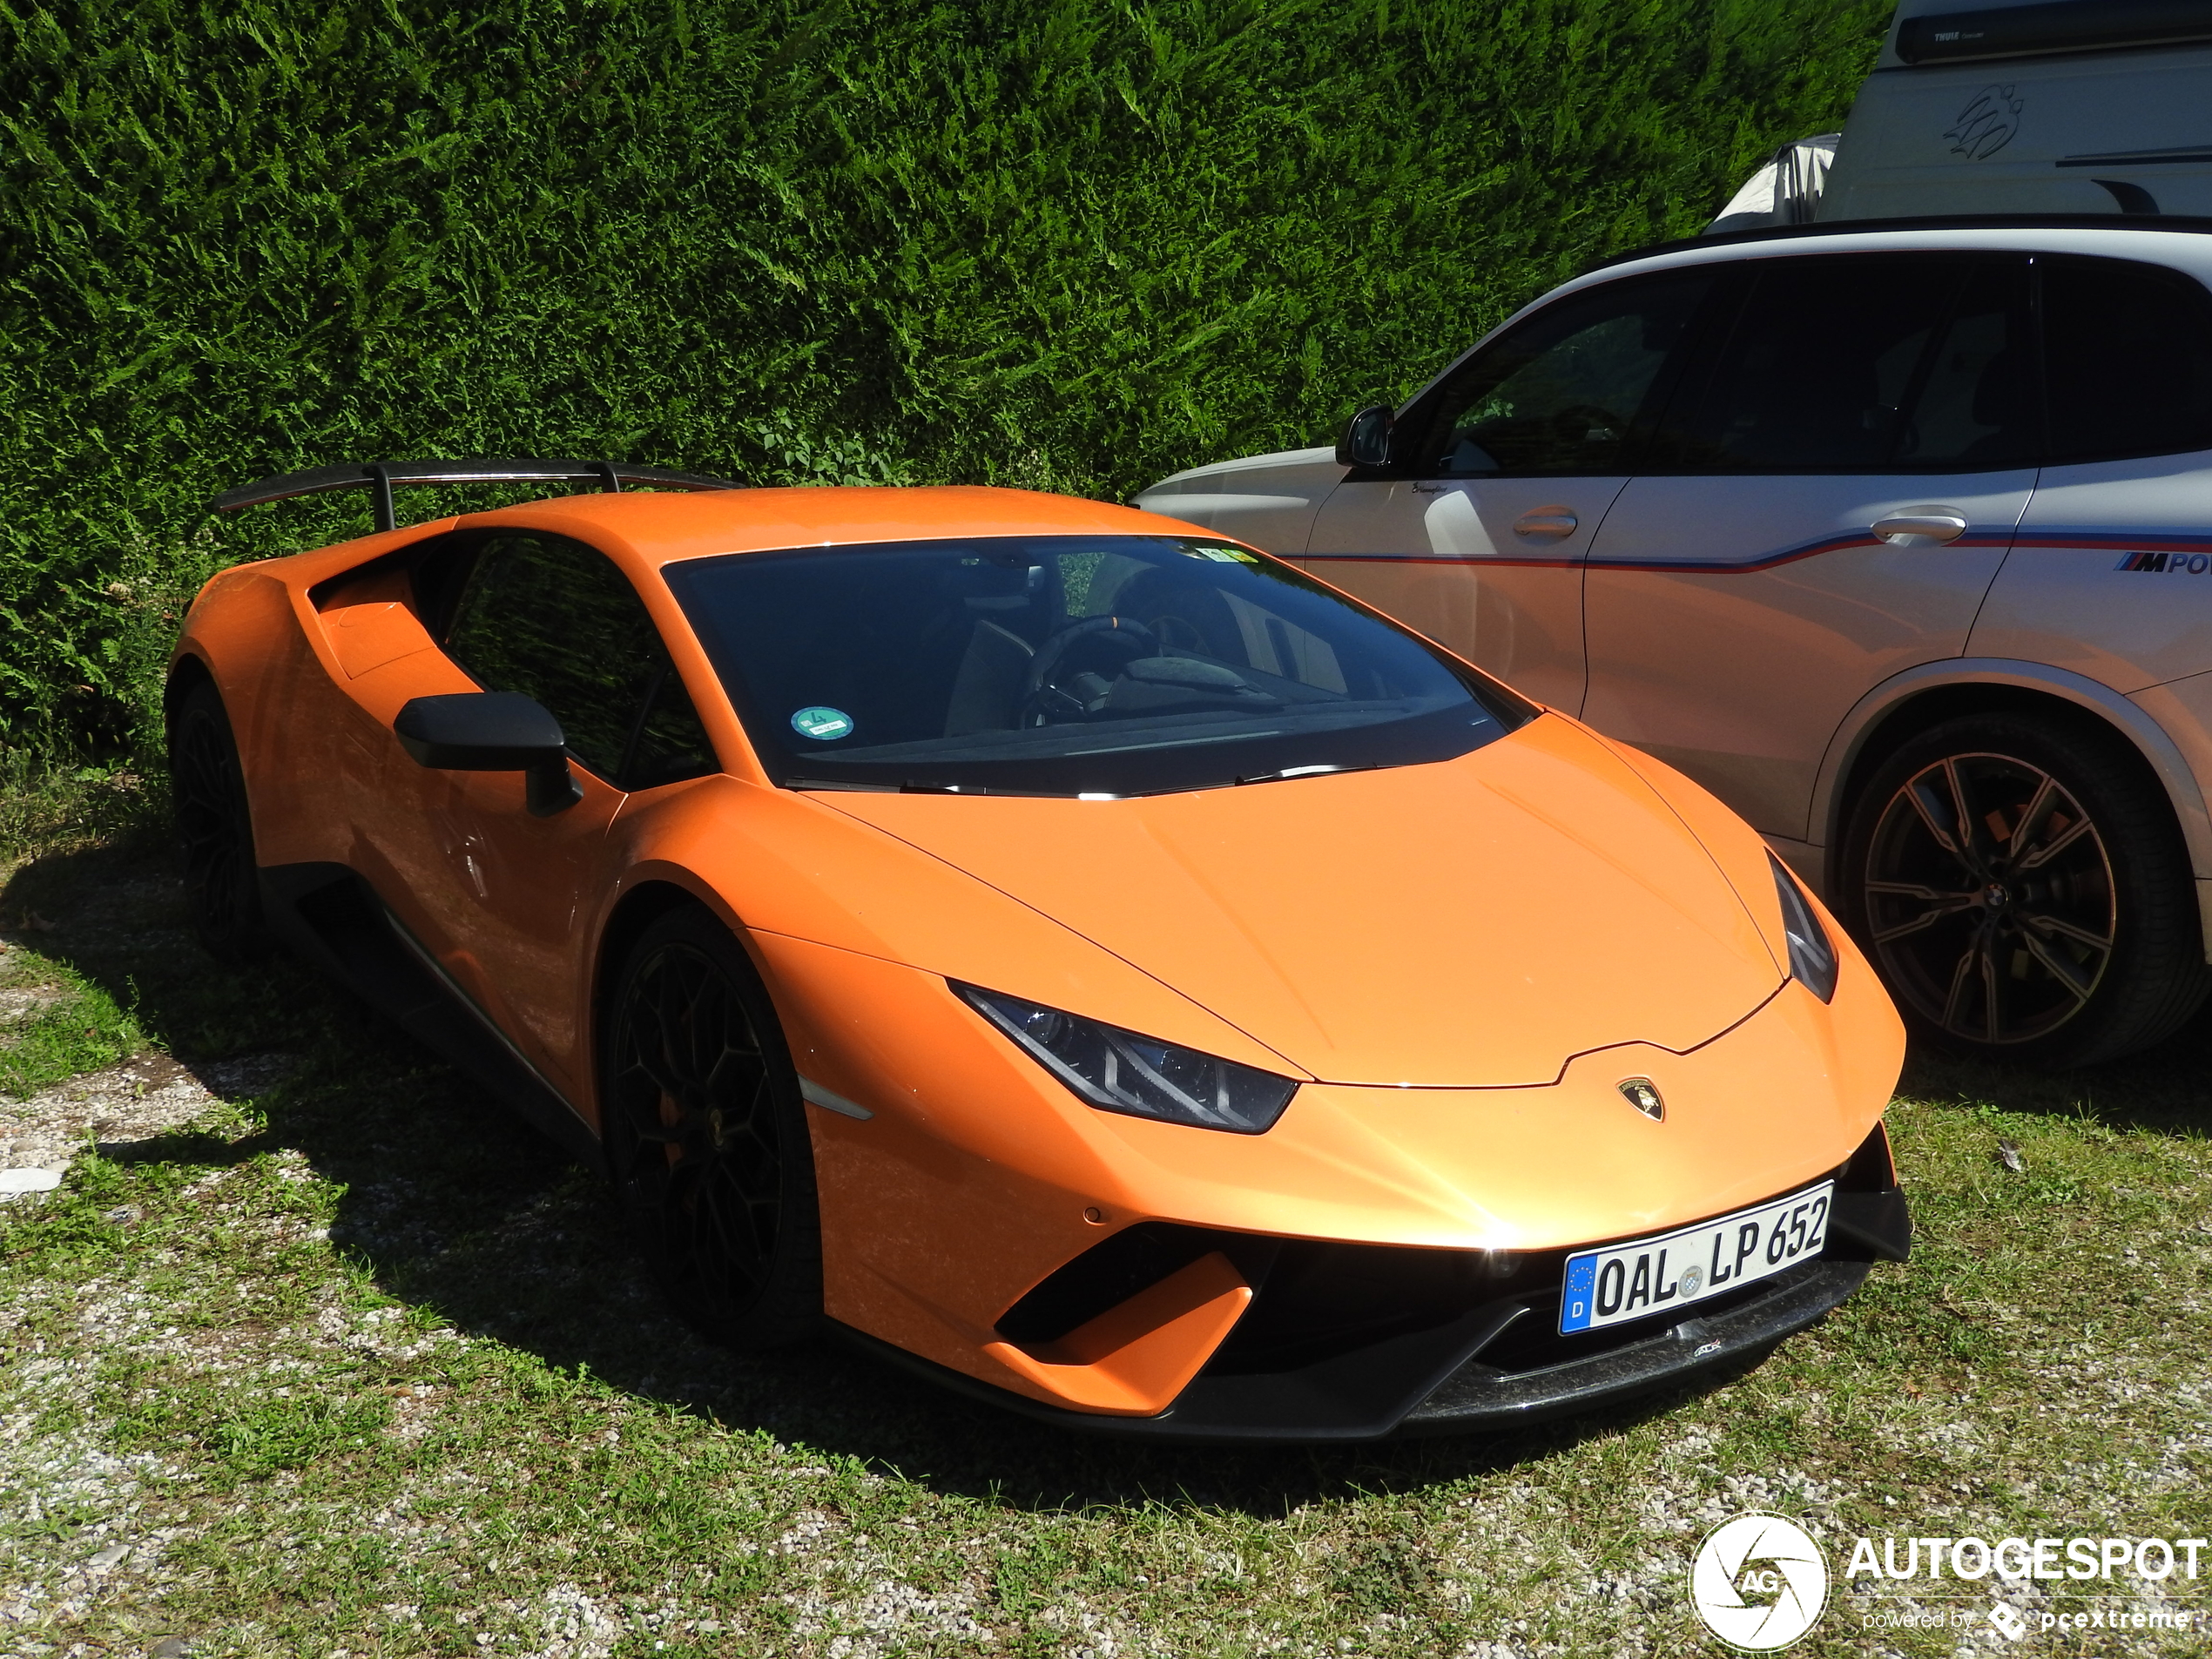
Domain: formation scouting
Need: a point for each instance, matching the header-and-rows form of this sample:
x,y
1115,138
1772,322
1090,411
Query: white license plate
x,y
1657,1274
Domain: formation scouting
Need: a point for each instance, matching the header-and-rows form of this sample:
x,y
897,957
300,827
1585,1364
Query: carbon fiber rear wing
x,y
379,478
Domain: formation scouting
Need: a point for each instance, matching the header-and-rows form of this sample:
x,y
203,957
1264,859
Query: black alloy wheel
x,y
2022,888
706,1137
214,827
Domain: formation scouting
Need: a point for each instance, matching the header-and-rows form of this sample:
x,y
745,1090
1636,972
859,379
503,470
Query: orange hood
x,y
1475,923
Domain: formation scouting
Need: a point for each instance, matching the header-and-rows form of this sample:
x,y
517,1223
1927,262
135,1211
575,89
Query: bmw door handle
x,y
1545,524
1926,526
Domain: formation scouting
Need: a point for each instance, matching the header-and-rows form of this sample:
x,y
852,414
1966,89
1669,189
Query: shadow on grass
x,y
2162,1091
459,1208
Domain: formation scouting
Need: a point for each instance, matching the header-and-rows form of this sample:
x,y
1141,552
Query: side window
x,y
1866,364
555,620
2128,352
1975,406
1561,392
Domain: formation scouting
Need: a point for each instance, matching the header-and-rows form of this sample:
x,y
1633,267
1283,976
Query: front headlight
x,y
1812,953
1118,1071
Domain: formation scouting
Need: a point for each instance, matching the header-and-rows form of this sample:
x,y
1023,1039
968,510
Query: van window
x,y
2128,349
1866,364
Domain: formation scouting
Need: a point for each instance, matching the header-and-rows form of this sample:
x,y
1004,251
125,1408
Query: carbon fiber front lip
x,y
1477,1396
1471,1397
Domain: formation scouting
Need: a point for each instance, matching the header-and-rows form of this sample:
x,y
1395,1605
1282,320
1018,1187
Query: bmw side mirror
x,y
492,731
1367,437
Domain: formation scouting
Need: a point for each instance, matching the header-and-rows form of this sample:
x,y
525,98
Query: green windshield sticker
x,y
825,726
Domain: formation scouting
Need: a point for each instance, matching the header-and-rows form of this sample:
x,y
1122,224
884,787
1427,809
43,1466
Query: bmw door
x,y
2113,575
1501,471
1824,504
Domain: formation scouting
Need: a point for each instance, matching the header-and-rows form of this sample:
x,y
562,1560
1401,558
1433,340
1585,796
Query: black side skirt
x,y
328,917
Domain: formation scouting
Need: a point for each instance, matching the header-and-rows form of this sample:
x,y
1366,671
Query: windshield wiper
x,y
906,786
1299,771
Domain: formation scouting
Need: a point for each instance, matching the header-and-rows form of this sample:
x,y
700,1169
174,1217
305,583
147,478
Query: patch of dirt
x,y
139,1100
133,910
23,1001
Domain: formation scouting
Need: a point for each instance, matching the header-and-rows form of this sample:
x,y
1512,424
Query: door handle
x,y
1545,523
1923,527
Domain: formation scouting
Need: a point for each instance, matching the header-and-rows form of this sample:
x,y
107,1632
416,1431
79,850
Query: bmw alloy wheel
x,y
1990,899
2020,882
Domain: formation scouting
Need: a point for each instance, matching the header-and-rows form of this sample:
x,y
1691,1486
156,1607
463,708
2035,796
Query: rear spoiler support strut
x,y
380,477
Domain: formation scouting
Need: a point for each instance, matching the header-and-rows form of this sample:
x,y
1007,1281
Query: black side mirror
x,y
492,731
1367,437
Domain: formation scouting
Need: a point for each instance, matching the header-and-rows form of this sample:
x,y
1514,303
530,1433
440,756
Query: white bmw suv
x,y
1897,539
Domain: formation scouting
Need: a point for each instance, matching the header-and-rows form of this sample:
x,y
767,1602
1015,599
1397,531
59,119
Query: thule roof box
x,y
379,478
1956,34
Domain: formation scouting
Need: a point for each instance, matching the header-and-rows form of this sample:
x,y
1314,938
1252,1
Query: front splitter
x,y
1466,1395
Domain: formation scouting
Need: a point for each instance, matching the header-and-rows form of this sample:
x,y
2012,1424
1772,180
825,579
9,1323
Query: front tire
x,y
706,1137
2025,892
214,828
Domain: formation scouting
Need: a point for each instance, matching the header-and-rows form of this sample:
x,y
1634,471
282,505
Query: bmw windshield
x,y
1068,666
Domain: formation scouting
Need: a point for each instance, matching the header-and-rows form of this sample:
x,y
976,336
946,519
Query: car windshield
x,y
1068,666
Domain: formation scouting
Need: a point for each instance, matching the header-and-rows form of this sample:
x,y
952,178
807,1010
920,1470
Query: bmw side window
x,y
1975,407
1864,364
1561,392
555,620
2127,351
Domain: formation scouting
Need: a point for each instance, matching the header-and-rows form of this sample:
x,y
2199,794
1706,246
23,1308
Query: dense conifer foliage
x,y
1069,243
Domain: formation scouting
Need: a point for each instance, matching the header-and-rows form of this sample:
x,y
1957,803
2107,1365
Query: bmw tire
x,y
2021,886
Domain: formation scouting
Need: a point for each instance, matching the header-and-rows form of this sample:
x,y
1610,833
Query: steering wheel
x,y
1042,699
1573,423
1187,617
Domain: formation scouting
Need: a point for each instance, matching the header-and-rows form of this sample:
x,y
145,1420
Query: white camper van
x,y
2065,106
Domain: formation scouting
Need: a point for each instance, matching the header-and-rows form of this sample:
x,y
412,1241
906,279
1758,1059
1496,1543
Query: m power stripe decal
x,y
2145,543
2101,540
1676,567
1437,558
1770,560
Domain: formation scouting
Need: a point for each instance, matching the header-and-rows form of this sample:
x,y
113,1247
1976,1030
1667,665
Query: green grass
x,y
81,1029
355,1364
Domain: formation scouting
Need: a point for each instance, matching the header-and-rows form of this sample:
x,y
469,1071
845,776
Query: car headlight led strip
x,y
1119,1071
1812,953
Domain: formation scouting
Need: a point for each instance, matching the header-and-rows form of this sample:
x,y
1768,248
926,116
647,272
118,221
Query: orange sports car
x,y
1073,956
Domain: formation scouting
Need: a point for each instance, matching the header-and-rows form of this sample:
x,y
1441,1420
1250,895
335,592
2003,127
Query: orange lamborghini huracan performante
x,y
1077,957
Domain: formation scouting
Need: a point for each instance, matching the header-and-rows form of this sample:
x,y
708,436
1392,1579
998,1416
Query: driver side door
x,y
1499,475
509,894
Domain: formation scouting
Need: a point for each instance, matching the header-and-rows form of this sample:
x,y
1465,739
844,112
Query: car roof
x,y
2185,240
666,527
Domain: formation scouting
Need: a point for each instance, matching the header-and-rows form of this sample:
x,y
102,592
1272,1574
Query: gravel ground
x,y
114,1111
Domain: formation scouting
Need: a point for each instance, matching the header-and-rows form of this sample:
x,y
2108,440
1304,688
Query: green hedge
x,y
1073,246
